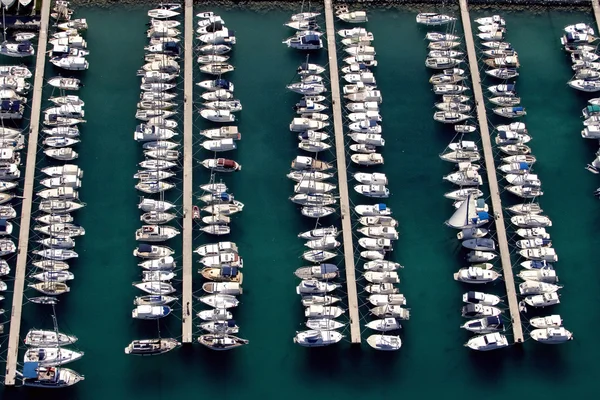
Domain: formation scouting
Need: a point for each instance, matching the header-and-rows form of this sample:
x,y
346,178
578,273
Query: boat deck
x,y
490,166
32,142
338,128
188,131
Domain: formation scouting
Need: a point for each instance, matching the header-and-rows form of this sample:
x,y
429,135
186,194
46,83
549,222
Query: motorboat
x,y
372,210
480,298
224,132
313,286
525,208
385,342
301,163
324,243
17,50
434,19
313,146
551,321
484,325
159,264
302,175
323,324
542,300
155,288
446,89
531,221
215,249
385,232
155,233
476,275
65,83
377,191
320,311
306,124
232,288
381,266
453,107
373,254
359,50
479,311
221,341
535,287
382,288
376,244
367,159
385,299
506,101
447,54
381,277
391,311
305,40
584,85
384,324
365,96
480,256
215,314
551,335
325,300
579,28
480,244
222,301
221,165
223,274
487,342
317,338
465,178
51,356
354,17
539,275
55,219
36,375
531,234
220,327
510,112
540,254
217,68
60,193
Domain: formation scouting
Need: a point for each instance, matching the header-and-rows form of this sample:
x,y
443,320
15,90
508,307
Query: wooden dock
x,y
596,6
32,142
188,190
490,167
340,152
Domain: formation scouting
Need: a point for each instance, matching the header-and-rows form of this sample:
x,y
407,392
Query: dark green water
x,y
98,308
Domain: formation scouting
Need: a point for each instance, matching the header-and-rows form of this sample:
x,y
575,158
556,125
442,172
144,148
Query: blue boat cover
x,y
311,39
25,46
230,33
502,134
483,215
328,268
518,109
380,206
523,165
510,87
215,26
372,123
145,248
471,296
8,105
229,271
30,369
301,103
546,241
480,203
222,83
231,323
171,47
3,225
494,321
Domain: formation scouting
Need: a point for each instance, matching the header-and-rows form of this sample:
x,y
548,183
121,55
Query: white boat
x,y
323,324
325,300
385,342
551,335
367,159
17,50
320,311
385,232
579,28
373,139
217,68
376,191
51,356
439,37
365,96
391,311
65,83
476,275
480,256
468,177
376,244
313,286
43,338
314,338
490,341
155,288
372,210
59,206
539,275
542,300
381,265
447,117
479,311
354,17
220,301
299,176
359,50
385,299
440,63
313,146
384,324
503,73
56,254
159,264
381,277
305,40
216,314
446,89
480,298
219,145
70,63
221,341
443,45
155,233
382,288
534,287
551,321
434,19
317,256
220,327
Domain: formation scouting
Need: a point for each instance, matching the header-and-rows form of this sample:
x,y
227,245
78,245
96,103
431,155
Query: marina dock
x,y
596,6
188,190
30,166
490,167
338,128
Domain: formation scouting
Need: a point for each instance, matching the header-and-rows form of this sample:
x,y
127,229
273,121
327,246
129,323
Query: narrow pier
x,y
188,190
340,153
32,142
490,167
596,6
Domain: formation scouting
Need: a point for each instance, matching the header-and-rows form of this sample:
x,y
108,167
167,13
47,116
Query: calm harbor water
x,y
98,308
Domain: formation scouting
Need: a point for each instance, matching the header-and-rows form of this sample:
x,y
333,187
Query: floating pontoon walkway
x,y
490,166
32,142
188,190
338,128
596,6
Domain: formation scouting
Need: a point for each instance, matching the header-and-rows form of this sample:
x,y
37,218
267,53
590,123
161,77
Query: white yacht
x,y
434,19
313,286
384,324
51,356
354,17
480,298
385,342
551,335
528,288
476,275
305,40
551,321
490,341
542,300
313,338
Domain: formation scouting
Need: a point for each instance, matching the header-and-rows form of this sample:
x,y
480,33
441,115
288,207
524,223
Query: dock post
x,y
490,167
32,142
340,153
188,190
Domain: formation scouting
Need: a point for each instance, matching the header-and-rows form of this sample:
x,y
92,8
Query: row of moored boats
x,y
221,263
157,133
58,200
377,228
314,192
